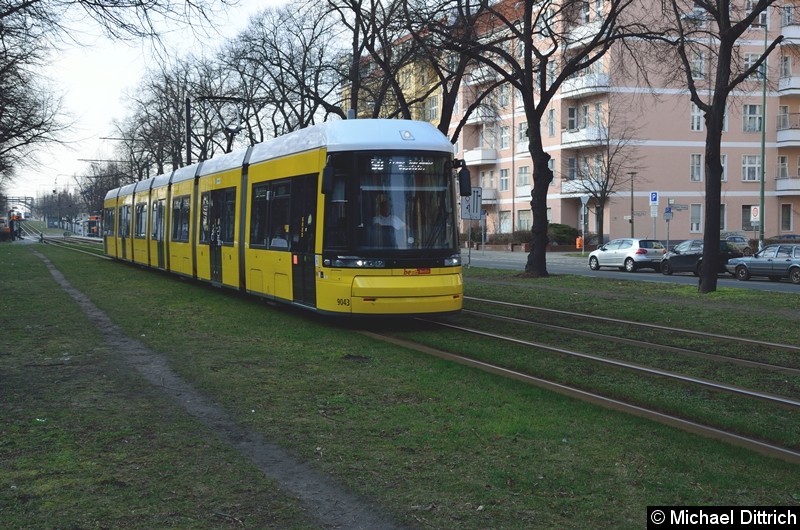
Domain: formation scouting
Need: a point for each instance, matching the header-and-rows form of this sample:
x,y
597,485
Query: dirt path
x,y
329,503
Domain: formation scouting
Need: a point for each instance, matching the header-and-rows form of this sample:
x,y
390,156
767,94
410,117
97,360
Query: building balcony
x,y
578,187
789,86
523,191
585,85
788,134
482,115
786,186
583,33
481,75
489,196
480,157
588,136
790,28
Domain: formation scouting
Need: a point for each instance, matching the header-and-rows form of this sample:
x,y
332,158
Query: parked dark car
x,y
774,261
688,257
786,237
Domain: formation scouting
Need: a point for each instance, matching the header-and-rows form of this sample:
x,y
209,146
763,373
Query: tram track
x,y
730,398
708,431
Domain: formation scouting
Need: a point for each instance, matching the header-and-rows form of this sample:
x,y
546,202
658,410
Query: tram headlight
x,y
357,263
453,261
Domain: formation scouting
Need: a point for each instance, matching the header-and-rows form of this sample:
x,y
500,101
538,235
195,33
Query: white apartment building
x,y
663,136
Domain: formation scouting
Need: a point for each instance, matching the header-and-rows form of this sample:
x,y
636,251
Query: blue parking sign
x,y
653,198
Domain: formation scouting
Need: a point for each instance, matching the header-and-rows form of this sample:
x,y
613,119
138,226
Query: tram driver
x,y
388,227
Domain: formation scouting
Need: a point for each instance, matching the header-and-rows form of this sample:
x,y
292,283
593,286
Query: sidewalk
x,y
521,257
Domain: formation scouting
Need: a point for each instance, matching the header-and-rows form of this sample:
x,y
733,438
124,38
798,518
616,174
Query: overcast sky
x,y
93,80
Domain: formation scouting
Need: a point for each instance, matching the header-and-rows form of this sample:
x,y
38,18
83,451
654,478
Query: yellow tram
x,y
347,217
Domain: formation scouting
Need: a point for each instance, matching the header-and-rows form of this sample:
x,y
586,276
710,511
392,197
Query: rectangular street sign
x,y
471,206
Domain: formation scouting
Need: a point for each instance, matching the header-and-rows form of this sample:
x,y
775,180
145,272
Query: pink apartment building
x,y
662,136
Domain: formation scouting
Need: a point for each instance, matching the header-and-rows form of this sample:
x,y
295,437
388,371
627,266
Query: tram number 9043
x,y
343,301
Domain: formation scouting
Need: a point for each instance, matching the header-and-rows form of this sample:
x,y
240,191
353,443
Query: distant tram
x,y
350,217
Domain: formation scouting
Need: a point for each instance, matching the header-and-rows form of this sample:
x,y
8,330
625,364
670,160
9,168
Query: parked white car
x,y
628,254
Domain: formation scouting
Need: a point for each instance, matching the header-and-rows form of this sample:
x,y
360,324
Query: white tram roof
x,y
160,181
355,135
225,162
336,136
185,173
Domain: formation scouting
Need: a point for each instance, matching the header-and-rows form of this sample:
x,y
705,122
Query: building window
x,y
783,117
696,119
751,168
696,168
722,225
749,60
746,224
584,116
504,96
695,218
762,20
697,64
504,180
598,167
551,122
786,217
783,167
505,137
572,118
724,161
522,132
523,175
786,66
505,221
433,108
752,118
524,220
572,168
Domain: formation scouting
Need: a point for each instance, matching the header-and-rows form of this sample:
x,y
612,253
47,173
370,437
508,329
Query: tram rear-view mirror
x,y
327,179
464,182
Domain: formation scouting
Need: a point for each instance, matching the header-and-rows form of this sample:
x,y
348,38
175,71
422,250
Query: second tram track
x,y
784,453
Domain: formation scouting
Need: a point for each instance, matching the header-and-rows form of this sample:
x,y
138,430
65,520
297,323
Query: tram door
x,y
221,212
157,225
215,239
303,227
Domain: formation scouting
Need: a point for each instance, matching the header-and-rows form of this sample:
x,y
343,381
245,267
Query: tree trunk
x,y
536,265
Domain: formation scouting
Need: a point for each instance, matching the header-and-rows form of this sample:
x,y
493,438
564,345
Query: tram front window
x,y
390,202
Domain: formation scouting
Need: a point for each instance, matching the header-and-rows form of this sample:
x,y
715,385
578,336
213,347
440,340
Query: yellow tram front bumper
x,y
407,294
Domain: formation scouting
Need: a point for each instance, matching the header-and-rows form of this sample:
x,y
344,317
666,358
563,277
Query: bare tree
x,y
711,30
535,46
604,168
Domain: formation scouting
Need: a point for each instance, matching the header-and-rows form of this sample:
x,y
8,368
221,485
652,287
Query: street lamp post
x,y
632,174
763,146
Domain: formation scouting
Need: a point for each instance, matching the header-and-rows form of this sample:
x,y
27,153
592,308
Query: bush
x,y
561,234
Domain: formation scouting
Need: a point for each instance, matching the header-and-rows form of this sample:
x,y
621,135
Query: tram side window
x,y
279,216
336,214
157,221
125,221
108,222
205,214
269,215
228,220
141,220
180,218
258,216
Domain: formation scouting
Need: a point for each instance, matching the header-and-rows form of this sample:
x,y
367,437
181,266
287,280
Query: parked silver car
x,y
628,254
775,262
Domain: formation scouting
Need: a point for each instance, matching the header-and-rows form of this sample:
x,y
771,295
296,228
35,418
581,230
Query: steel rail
x,y
790,347
759,446
631,366
641,343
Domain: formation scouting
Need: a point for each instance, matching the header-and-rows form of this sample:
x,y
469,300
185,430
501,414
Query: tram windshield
x,y
390,201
